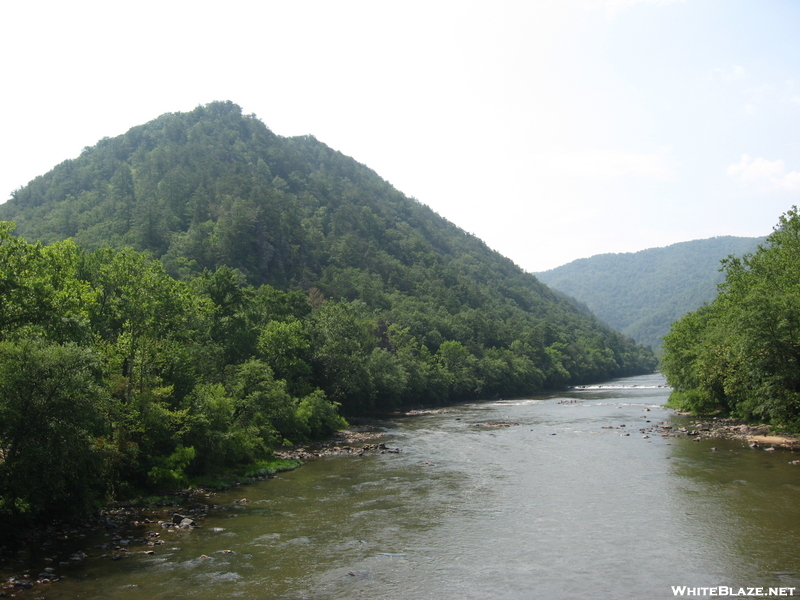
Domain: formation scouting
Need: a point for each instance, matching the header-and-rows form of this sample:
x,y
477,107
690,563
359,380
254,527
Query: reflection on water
x,y
568,503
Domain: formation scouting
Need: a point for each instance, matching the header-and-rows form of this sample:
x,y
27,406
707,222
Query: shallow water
x,y
554,506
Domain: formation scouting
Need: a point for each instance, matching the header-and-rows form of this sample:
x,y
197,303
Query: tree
x,y
286,347
342,344
40,289
459,367
52,407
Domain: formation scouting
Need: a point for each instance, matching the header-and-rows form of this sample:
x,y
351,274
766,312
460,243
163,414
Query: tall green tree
x,y
52,409
342,343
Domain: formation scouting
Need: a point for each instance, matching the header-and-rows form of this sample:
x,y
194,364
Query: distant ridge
x,y
642,293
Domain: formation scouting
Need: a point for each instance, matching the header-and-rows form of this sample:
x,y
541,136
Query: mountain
x,y
214,187
181,299
642,293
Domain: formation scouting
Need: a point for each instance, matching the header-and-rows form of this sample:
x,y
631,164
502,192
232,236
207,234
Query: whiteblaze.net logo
x,y
723,590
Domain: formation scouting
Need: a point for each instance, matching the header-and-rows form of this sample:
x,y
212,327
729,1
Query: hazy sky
x,y
553,130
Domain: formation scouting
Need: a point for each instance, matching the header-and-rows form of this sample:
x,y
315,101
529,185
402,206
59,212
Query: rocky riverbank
x,y
757,436
44,556
351,441
122,530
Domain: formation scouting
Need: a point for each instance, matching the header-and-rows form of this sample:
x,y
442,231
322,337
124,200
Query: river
x,y
560,505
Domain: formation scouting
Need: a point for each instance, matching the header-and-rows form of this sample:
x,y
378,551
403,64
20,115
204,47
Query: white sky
x,y
551,129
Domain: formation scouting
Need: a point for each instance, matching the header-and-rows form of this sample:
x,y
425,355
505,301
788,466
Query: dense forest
x,y
182,298
740,355
642,293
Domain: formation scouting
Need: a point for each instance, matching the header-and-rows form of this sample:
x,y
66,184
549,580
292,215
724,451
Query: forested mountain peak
x,y
214,187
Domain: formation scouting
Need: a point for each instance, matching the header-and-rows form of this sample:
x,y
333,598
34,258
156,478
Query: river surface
x,y
557,506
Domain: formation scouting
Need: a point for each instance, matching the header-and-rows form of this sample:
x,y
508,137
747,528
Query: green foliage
x,y
51,407
741,354
459,369
696,401
316,417
171,470
39,292
287,347
262,404
342,343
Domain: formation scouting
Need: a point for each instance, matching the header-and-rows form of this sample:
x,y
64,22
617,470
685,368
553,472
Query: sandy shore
x,y
783,441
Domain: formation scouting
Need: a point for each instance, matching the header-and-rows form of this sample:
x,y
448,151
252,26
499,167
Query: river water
x,y
561,505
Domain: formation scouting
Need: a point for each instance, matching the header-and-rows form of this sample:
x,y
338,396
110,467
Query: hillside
x,y
213,187
227,290
642,293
